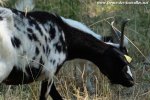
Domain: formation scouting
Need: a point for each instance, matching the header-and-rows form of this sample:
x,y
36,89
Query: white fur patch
x,y
81,26
7,17
4,70
84,28
113,44
129,71
7,52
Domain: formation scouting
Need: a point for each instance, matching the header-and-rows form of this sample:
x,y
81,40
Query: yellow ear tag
x,y
129,59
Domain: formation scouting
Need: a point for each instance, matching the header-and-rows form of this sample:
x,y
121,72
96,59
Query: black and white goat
x,y
35,45
114,39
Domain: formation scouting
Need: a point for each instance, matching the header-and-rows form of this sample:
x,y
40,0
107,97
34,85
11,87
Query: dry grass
x,y
96,16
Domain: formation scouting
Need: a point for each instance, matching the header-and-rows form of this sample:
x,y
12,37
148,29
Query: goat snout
x,y
131,83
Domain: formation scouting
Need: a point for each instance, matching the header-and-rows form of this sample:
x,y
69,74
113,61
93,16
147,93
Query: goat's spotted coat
x,y
36,48
34,45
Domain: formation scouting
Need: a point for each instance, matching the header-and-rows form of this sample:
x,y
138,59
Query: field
x,y
96,16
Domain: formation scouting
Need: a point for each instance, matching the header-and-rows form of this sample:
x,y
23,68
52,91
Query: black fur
x,y
16,42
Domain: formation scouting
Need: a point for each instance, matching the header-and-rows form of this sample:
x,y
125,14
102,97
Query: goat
x,y
113,40
35,45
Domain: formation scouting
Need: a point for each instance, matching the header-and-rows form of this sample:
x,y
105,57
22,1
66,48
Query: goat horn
x,y
122,32
115,33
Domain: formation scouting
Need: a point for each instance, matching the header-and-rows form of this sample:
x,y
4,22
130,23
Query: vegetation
x,y
97,16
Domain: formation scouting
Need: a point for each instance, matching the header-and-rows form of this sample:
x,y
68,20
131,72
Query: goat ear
x,y
124,57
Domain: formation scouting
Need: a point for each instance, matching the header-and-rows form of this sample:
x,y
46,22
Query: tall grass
x,y
96,17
